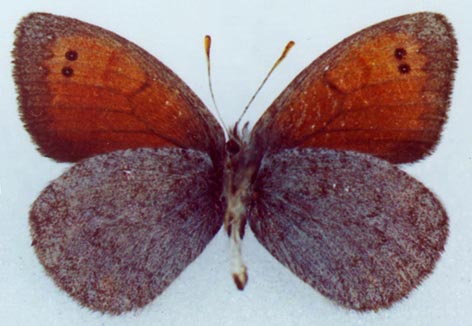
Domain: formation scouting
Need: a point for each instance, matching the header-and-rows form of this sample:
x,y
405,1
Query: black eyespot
x,y
72,55
67,71
400,53
404,68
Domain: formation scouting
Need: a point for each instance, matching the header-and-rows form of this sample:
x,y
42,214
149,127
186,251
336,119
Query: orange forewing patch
x,y
99,64
373,62
119,95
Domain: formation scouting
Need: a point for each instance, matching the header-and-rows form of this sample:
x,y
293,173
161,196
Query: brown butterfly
x,y
315,179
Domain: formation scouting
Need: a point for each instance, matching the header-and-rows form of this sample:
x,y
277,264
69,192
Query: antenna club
x,y
287,48
289,45
207,44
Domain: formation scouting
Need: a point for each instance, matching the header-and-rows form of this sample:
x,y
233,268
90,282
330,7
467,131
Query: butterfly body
x,y
154,180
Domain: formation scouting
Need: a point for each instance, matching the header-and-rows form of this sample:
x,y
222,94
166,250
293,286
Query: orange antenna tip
x,y
207,42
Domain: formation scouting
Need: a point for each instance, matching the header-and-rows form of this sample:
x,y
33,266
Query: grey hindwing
x,y
116,229
354,227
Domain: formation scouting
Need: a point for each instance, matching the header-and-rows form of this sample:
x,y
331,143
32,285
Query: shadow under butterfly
x,y
315,178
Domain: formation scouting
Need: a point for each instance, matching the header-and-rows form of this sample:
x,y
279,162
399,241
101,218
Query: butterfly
x,y
155,178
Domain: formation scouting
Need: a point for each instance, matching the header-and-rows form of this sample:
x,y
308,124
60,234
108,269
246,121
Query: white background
x,y
247,37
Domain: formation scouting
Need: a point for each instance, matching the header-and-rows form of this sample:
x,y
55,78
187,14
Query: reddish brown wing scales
x,y
383,91
84,91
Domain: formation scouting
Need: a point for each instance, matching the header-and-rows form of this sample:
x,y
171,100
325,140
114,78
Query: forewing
x,y
85,91
384,91
356,228
116,229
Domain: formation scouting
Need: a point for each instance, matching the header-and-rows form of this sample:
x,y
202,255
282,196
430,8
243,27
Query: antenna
x,y
207,44
279,60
